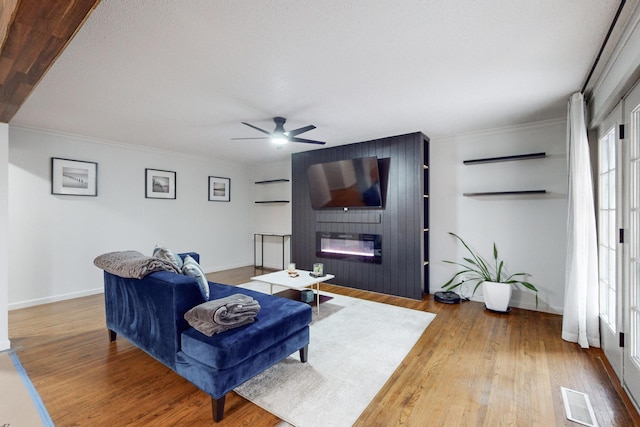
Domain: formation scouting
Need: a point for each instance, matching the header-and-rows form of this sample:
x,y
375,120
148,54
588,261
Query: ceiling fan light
x,y
279,140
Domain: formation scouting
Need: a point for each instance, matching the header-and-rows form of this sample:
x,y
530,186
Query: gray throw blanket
x,y
219,315
132,264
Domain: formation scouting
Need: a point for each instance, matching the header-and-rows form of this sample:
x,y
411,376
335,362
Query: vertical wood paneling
x,y
397,281
414,227
425,215
401,220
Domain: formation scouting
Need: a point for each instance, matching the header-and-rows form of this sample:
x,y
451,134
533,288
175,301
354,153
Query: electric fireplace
x,y
349,246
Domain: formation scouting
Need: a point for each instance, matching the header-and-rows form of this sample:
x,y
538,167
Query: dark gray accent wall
x,y
401,221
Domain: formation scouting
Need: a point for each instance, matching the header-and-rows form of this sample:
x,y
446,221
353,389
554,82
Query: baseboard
x,y
542,307
55,298
628,401
72,295
208,270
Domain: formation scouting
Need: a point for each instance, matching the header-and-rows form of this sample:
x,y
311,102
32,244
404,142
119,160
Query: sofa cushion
x,y
278,318
191,268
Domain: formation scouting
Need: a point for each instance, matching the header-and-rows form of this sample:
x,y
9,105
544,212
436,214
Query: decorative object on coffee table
x,y
306,295
318,270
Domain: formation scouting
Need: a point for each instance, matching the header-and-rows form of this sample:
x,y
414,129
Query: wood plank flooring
x,y
469,368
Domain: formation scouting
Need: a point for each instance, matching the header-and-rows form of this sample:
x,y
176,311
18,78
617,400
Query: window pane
x,y
612,269
635,318
612,150
612,230
612,189
612,308
607,240
604,151
604,229
634,247
604,191
604,264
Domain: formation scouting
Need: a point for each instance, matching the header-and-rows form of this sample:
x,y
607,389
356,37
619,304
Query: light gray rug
x,y
355,347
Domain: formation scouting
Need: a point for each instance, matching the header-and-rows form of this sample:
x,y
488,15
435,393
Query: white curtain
x,y
580,322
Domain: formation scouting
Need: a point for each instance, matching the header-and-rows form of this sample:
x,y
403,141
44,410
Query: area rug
x,y
20,404
355,347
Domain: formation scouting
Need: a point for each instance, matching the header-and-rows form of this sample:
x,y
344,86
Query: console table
x,y
262,236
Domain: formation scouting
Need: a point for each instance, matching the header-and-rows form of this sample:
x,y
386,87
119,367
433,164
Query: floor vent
x,y
578,407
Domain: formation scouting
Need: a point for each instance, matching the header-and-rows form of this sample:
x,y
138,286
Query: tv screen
x,y
352,183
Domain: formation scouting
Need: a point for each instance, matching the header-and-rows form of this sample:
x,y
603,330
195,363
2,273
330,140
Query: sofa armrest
x,y
149,312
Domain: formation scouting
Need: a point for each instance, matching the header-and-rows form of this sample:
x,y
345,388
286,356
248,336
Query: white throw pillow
x,y
191,268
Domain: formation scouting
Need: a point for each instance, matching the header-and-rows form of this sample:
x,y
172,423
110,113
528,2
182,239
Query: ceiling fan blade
x,y
300,130
256,128
307,141
259,137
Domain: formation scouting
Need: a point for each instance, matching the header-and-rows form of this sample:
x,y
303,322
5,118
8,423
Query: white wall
x,y
54,239
276,217
4,232
530,231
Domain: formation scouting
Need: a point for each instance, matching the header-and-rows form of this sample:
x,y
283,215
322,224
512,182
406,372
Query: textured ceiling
x,y
182,75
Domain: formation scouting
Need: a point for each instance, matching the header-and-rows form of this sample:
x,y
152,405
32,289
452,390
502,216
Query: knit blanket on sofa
x,y
133,264
219,315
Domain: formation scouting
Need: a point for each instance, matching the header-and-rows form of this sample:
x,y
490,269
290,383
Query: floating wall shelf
x,y
271,181
276,201
272,201
504,193
505,158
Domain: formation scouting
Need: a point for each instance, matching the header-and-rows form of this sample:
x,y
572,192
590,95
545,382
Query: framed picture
x,y
74,177
219,189
159,184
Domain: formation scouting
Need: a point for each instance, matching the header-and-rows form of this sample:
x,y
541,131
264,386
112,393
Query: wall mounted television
x,y
351,183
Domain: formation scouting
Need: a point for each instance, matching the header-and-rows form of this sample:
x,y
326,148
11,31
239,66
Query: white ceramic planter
x,y
496,296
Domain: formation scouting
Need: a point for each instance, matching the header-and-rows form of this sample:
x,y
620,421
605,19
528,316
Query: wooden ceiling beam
x,y
34,33
7,11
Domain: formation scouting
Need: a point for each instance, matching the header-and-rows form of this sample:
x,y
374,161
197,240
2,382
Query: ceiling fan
x,y
281,136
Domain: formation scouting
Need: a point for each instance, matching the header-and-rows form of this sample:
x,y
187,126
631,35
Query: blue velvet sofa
x,y
149,312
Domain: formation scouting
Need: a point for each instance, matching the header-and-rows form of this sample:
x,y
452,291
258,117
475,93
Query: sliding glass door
x,y
631,307
619,240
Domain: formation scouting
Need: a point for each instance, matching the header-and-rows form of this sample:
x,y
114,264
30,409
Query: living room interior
x,y
168,85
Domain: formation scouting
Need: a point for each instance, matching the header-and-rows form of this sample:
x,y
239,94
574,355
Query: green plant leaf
x,y
479,269
469,268
498,274
476,287
477,259
448,285
529,286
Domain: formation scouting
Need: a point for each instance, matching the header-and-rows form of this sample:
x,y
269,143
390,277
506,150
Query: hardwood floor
x,y
469,368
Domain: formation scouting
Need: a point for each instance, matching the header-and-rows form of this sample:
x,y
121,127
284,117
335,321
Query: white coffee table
x,y
304,280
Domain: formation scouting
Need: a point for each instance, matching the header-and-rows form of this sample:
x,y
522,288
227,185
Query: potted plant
x,y
496,283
